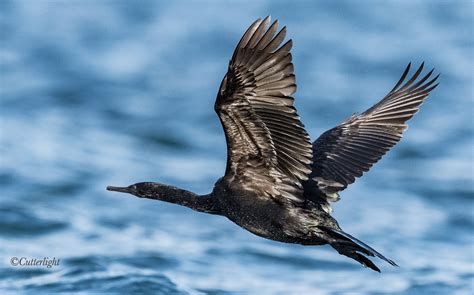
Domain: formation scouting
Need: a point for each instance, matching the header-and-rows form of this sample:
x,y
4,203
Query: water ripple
x,y
110,93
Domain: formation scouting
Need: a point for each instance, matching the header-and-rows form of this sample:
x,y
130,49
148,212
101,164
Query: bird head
x,y
141,189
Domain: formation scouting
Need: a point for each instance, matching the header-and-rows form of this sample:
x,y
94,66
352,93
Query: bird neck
x,y
183,197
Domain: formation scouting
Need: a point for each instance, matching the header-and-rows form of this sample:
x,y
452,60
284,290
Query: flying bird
x,y
277,184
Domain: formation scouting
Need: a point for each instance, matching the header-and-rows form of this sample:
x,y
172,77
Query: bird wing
x,y
266,142
345,152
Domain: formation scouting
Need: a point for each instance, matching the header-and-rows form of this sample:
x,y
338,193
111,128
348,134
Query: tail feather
x,y
351,247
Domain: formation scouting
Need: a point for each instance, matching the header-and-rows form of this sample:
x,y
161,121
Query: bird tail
x,y
351,247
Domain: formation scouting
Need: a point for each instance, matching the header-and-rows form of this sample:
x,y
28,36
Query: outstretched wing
x,y
343,153
266,141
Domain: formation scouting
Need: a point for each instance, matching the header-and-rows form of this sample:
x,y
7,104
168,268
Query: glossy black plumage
x,y
277,184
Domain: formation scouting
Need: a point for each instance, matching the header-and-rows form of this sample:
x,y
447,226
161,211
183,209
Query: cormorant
x,y
277,184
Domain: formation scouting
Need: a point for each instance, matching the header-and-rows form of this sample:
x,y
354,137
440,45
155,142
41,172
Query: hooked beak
x,y
119,189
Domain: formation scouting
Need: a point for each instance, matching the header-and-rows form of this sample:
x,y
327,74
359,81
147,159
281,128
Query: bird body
x,y
252,209
255,212
277,184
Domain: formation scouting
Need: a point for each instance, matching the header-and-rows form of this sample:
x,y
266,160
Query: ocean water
x,y
97,93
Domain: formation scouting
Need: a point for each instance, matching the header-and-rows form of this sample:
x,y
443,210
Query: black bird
x,y
277,184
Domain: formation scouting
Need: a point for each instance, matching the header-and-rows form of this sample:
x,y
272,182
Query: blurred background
x,y
97,93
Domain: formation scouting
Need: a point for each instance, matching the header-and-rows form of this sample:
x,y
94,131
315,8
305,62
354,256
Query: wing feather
x,y
343,153
256,110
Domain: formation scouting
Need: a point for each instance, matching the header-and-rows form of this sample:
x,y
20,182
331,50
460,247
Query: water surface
x,y
109,93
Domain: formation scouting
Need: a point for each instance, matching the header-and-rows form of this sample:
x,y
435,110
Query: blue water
x,y
109,93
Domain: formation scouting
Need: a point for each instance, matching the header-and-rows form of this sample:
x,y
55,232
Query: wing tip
x,y
413,84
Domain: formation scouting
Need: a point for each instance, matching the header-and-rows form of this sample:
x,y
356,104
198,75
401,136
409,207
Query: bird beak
x,y
119,189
